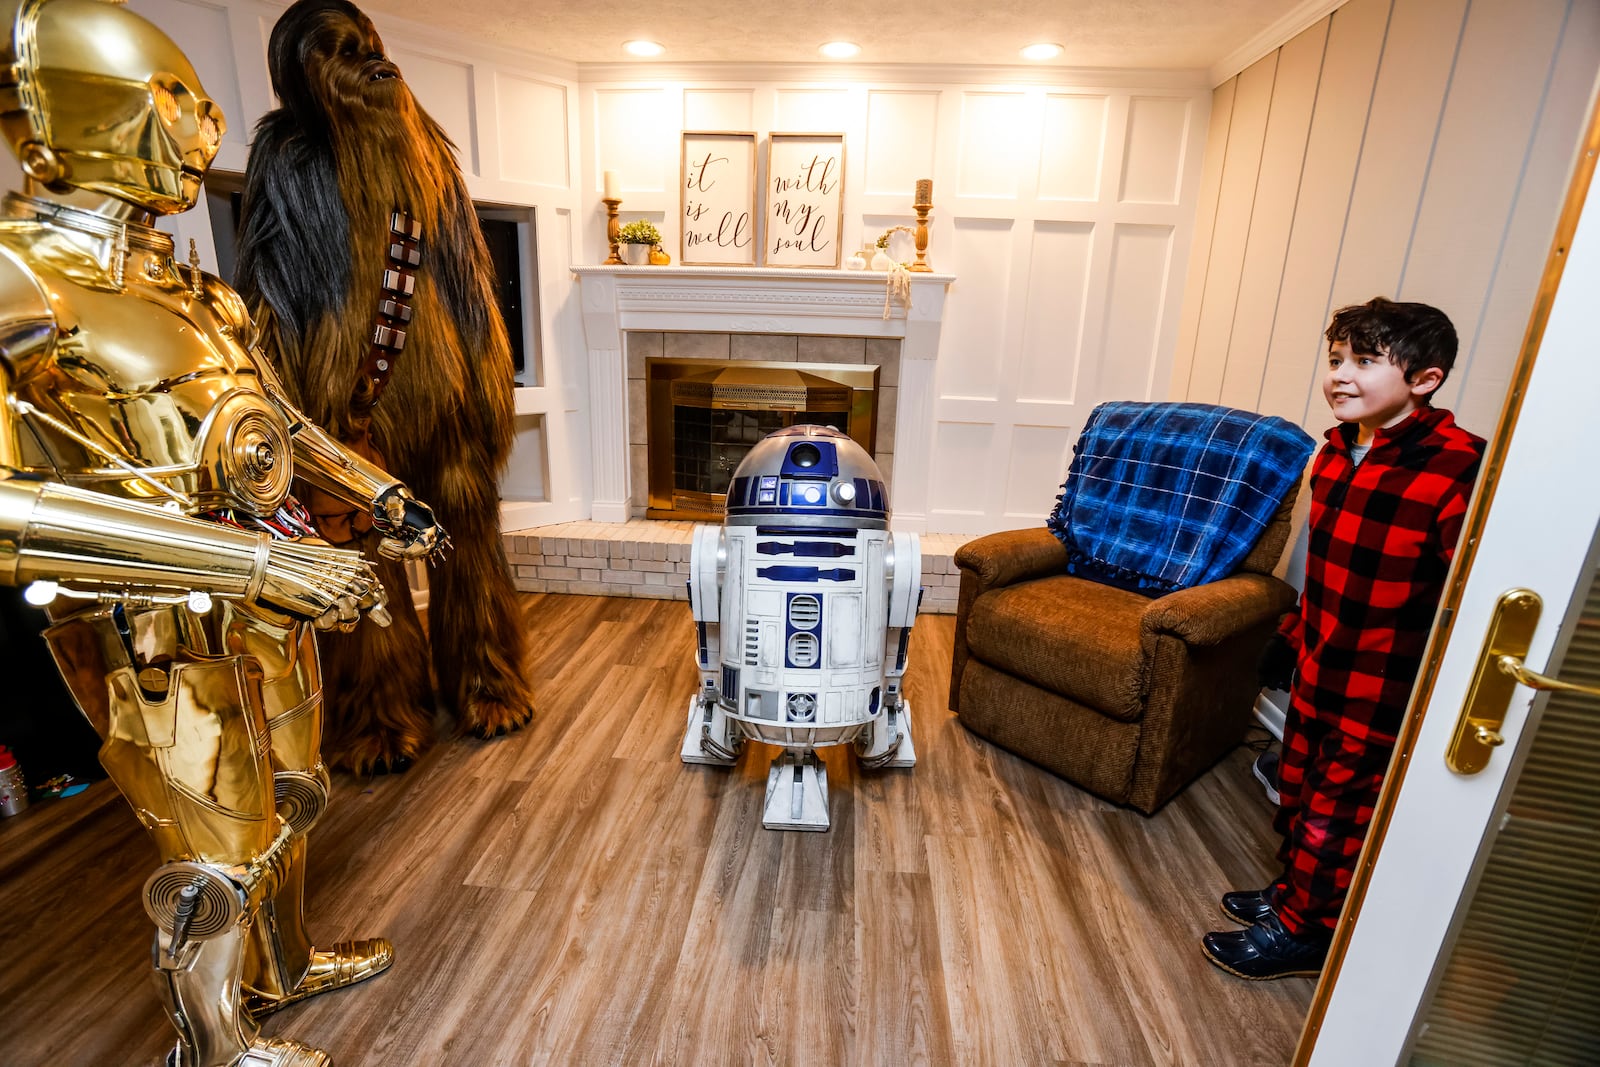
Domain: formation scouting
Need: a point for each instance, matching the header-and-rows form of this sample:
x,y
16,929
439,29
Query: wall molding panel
x,y
1415,149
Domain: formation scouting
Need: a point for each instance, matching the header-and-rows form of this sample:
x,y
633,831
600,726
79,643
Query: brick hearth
x,y
649,558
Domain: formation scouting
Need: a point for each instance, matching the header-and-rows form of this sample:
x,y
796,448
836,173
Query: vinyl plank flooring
x,y
903,1015
574,895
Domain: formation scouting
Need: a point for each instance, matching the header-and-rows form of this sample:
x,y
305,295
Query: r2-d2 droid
x,y
803,601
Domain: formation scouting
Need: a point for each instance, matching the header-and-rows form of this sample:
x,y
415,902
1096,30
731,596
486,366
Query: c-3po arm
x,y
93,546
407,525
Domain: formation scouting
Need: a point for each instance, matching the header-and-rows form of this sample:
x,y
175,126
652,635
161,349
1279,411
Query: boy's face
x,y
1370,390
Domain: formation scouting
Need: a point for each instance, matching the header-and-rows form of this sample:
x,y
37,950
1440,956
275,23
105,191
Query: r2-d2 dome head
x,y
98,99
808,476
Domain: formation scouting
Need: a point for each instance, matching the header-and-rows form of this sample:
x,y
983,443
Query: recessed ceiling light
x,y
839,49
642,48
1041,51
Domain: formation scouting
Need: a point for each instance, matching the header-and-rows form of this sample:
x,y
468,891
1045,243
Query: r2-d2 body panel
x,y
804,601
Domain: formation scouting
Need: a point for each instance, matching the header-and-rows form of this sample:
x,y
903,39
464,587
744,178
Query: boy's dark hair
x,y
1413,336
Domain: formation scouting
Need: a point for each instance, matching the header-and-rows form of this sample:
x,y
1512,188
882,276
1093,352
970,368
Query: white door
x,y
1538,534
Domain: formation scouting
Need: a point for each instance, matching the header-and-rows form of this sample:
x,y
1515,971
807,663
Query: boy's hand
x,y
1275,668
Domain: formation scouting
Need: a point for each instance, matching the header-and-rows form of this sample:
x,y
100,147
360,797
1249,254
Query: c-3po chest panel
x,y
112,375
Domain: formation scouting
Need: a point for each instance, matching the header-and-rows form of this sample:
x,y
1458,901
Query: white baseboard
x,y
1269,714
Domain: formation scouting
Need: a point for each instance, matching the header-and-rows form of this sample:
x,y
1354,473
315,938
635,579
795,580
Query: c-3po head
x,y
94,98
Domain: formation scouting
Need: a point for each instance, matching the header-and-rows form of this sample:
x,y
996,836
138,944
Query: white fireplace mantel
x,y
762,300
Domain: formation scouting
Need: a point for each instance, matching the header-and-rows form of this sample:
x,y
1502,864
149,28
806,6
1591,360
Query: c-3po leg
x,y
203,924
281,965
186,740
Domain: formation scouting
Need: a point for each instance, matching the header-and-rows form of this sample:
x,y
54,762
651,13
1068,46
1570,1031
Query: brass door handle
x,y
1477,733
1514,666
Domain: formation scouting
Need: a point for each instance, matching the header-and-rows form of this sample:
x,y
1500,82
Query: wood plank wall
x,y
1416,149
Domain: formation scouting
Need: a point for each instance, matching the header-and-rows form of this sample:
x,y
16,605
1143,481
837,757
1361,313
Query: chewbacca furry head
x,y
350,146
329,69
325,56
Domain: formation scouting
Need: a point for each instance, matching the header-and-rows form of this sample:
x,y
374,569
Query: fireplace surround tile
x,y
696,346
833,350
765,347
886,354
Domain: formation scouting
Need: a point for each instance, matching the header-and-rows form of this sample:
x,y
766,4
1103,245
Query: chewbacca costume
x,y
348,182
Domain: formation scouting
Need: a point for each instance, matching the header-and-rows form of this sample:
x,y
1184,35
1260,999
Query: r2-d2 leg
x,y
709,737
797,792
888,742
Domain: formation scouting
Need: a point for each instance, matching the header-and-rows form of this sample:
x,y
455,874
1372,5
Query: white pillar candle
x,y
611,186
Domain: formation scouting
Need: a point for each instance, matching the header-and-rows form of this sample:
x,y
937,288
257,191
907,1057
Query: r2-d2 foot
x,y
803,602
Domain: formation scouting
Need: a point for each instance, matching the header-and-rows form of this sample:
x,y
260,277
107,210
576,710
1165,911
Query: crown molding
x,y
442,43
591,74
1290,25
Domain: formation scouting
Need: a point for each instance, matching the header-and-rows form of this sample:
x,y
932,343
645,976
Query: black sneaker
x,y
1268,950
1265,768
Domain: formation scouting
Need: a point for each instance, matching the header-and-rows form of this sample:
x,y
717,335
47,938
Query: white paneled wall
x,y
1065,212
1065,209
1416,149
513,119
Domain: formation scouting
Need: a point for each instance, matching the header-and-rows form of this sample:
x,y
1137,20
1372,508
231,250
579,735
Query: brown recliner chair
x,y
1126,696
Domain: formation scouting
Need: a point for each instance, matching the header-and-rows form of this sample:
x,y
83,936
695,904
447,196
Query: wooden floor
x,y
575,895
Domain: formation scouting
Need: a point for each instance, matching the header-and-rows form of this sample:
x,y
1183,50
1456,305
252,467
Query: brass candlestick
x,y
612,226
922,204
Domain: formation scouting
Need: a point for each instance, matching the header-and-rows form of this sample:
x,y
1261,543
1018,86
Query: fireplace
x,y
705,415
749,312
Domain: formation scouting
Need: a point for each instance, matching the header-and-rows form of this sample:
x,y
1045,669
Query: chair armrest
x,y
1210,614
1011,557
995,560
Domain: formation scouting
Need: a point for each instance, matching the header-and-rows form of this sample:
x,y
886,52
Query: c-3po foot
x,y
347,963
266,1052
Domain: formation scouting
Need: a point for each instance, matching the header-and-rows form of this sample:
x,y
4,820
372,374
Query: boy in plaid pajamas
x,y
1388,495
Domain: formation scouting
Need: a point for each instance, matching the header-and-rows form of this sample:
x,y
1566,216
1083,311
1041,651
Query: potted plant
x,y
638,238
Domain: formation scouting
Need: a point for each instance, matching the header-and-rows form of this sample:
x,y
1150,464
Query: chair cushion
x,y
1068,635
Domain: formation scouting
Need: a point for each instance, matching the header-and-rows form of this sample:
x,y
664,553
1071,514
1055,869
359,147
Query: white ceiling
x,y
1127,34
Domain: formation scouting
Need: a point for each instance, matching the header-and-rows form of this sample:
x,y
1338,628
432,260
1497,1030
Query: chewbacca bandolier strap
x,y
394,311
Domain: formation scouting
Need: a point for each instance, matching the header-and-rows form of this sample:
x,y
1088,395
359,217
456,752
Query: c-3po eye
x,y
166,103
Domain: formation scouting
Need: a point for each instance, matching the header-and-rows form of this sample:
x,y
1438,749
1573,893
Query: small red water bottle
x,y
13,790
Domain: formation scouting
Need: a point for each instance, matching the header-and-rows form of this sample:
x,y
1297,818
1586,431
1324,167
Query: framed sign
x,y
719,200
805,200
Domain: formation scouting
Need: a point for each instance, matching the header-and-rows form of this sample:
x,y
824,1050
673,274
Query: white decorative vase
x,y
636,255
882,260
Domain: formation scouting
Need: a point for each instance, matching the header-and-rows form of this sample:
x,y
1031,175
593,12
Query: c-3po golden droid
x,y
146,454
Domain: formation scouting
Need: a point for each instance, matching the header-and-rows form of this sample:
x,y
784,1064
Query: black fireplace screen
x,y
705,416
709,445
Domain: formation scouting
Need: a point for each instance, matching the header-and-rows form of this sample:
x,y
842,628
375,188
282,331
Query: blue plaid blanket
x,y
1162,497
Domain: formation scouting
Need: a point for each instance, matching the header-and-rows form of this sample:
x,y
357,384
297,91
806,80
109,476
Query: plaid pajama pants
x,y
1328,783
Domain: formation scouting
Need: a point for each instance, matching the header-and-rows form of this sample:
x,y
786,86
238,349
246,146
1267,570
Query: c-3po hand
x,y
333,587
408,527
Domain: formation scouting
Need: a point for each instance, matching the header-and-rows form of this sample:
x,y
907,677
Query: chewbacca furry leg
x,y
378,695
475,623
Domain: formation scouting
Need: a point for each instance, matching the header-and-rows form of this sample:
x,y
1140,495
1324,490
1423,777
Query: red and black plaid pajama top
x,y
1382,534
